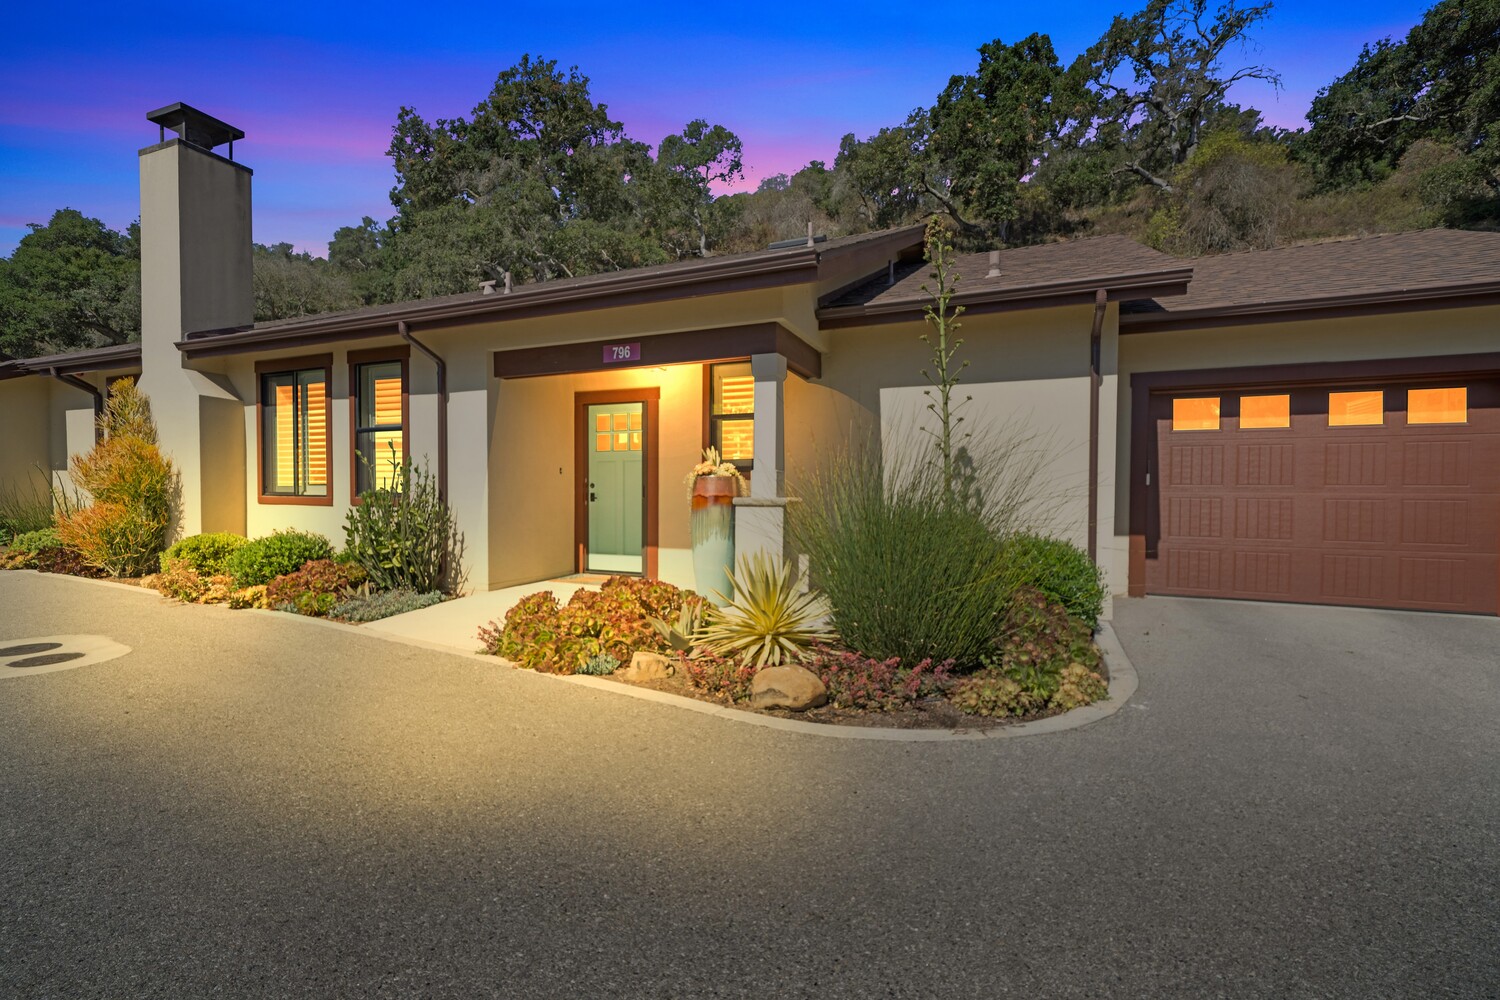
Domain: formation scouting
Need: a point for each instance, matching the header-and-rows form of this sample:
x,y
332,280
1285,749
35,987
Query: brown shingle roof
x,y
1028,276
695,276
1360,271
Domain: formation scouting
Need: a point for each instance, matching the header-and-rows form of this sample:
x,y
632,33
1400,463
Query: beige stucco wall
x,y
1027,374
24,432
532,479
1395,335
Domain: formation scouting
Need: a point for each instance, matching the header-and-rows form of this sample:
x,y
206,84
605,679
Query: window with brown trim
x,y
379,391
1195,413
292,431
731,412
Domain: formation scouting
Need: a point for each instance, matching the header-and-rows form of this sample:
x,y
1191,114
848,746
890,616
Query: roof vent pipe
x,y
507,282
487,287
809,232
994,264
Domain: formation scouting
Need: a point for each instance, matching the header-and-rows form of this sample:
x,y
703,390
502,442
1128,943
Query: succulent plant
x,y
770,620
599,664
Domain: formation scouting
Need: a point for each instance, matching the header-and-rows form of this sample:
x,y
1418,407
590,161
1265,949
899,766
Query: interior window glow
x,y
1437,406
1258,412
1199,413
1365,408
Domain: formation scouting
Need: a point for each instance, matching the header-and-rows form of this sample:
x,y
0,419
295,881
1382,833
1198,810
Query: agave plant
x,y
769,620
679,634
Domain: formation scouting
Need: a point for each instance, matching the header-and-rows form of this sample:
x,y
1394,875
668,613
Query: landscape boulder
x,y
791,687
646,666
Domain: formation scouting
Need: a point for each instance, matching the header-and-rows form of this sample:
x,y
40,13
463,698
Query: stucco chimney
x,y
195,277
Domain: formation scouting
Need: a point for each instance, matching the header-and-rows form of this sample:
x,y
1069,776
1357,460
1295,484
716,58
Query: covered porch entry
x,y
591,443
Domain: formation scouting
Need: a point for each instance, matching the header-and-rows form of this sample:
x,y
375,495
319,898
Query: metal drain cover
x,y
45,660
29,648
45,654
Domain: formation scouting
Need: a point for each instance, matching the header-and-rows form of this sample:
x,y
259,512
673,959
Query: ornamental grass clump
x,y
124,529
912,569
770,619
404,537
24,508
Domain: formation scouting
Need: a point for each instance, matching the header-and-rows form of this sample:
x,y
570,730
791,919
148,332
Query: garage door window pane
x,y
1437,406
1196,414
1356,409
1265,411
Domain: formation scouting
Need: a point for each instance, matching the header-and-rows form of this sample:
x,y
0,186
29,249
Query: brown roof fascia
x,y
99,359
1152,284
1333,307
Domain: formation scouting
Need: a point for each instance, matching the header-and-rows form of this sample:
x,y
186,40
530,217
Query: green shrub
x,y
207,554
124,529
541,634
36,541
404,538
1046,653
1061,570
43,550
909,571
316,588
264,559
1037,632
769,620
383,604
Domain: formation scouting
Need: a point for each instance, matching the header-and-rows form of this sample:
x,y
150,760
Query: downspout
x,y
1101,300
442,421
87,387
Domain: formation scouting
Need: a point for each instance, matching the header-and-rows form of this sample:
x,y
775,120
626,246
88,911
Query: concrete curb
x,y
1122,685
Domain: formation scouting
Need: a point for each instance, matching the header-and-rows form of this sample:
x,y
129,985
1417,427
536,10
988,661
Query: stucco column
x,y
760,518
769,371
470,417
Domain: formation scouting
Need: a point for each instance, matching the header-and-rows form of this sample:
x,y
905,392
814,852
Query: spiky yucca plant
x,y
769,620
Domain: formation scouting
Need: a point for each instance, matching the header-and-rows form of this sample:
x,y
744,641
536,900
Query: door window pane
x,y
1258,412
1356,409
1437,406
1195,414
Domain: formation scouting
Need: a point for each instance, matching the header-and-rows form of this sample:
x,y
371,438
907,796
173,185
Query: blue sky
x,y
316,87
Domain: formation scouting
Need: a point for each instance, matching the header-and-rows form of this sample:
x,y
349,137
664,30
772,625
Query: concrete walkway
x,y
1298,802
455,623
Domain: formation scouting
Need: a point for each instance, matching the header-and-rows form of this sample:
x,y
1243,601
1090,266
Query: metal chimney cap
x,y
194,126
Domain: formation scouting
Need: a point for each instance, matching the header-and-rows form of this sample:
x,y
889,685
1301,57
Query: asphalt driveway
x,y
1297,802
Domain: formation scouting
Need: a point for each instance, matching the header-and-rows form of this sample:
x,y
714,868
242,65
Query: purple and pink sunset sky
x,y
316,86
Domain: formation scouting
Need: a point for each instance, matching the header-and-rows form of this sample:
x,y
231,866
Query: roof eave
x,y
794,268
1152,284
1437,297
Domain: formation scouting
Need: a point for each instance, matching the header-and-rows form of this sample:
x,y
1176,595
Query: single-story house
x,y
1317,423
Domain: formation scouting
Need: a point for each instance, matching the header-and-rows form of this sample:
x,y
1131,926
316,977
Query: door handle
x,y
593,497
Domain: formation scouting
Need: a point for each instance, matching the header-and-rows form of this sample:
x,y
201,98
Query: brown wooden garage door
x,y
1383,495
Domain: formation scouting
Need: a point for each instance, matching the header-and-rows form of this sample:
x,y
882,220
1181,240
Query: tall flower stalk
x,y
946,369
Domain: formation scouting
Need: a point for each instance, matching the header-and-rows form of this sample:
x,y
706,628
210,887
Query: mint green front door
x,y
617,487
